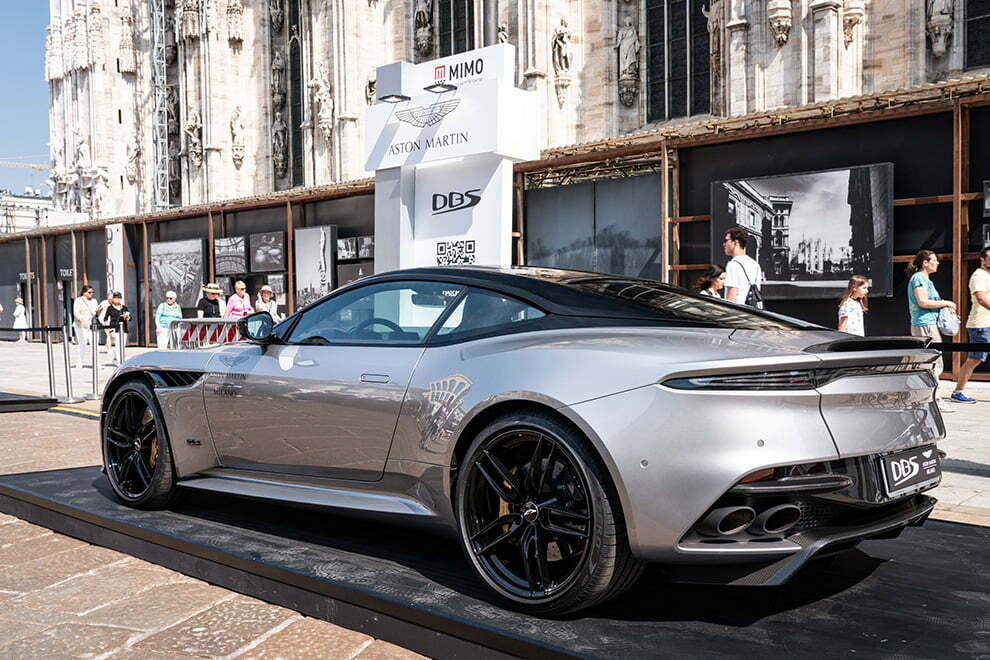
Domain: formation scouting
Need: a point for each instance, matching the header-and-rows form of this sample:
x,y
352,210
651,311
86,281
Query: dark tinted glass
x,y
676,305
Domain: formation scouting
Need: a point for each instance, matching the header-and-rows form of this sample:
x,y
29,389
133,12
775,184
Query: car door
x,y
325,402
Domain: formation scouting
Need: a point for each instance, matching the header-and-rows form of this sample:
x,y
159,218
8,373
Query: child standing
x,y
853,305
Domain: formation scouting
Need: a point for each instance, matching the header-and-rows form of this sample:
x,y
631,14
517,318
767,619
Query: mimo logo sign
x,y
455,201
458,71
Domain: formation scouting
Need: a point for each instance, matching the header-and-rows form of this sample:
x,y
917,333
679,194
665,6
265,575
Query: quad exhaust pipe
x,y
776,520
726,521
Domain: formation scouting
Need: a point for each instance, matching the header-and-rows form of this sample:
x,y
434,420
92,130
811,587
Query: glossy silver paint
x,y
306,424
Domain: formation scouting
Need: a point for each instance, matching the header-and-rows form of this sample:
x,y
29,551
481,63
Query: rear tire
x,y
137,458
539,519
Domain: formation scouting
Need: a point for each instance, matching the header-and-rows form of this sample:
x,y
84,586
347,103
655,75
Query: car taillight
x,y
768,380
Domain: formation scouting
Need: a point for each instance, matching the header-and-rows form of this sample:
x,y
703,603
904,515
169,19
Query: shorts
x,y
979,336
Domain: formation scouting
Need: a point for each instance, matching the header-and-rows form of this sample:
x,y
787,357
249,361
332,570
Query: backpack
x,y
753,297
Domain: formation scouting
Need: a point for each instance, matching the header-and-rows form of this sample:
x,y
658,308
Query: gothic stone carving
x,y
97,47
941,14
133,159
627,43
853,13
53,51
369,88
278,80
561,49
715,33
128,63
423,23
235,20
779,17
279,145
237,137
277,15
194,139
174,174
323,100
502,33
171,47
189,20
172,110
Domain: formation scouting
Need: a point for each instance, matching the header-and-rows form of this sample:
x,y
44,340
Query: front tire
x,y
538,518
136,454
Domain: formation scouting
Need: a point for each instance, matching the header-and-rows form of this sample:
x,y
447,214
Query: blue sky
x,y
24,107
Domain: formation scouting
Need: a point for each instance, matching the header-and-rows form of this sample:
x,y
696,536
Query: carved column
x,y
736,72
825,16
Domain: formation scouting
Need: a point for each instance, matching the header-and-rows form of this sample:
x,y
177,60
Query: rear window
x,y
670,303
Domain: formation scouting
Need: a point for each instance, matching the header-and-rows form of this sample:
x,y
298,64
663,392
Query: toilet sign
x,y
442,151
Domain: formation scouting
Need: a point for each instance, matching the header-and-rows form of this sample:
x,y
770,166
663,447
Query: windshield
x,y
672,303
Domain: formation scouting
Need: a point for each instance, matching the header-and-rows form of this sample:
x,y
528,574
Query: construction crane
x,y
31,166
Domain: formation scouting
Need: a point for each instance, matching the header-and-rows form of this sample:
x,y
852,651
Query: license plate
x,y
907,470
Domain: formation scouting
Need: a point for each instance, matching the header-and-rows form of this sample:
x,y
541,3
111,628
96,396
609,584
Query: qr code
x,y
451,253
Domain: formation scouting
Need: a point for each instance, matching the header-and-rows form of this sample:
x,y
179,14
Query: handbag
x,y
948,322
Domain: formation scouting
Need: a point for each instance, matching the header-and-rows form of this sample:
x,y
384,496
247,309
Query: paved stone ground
x,y
62,598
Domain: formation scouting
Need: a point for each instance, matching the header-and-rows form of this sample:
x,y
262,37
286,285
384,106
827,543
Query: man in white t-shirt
x,y
977,326
742,269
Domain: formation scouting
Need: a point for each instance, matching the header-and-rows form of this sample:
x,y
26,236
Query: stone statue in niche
x,y
423,25
560,46
323,101
189,20
715,33
278,80
172,110
780,20
82,156
194,139
369,89
853,13
627,44
237,137
235,20
128,62
941,15
171,47
133,159
279,145
277,15
502,33
174,173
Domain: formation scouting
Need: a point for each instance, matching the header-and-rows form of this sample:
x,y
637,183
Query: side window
x,y
485,311
386,313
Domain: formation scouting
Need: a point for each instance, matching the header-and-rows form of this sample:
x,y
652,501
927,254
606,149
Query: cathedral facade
x,y
164,103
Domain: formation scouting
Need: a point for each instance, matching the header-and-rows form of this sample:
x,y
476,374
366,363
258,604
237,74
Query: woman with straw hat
x,y
208,306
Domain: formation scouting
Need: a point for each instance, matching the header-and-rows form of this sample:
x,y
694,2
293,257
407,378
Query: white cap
x,y
171,294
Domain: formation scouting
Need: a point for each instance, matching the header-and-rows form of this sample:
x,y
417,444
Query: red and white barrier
x,y
198,333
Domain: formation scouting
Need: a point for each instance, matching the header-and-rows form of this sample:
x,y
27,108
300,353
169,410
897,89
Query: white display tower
x,y
441,140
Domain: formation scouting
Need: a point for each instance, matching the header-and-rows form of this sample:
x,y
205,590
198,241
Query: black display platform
x,y
926,594
24,403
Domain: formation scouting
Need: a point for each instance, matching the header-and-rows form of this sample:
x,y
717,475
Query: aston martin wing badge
x,y
427,115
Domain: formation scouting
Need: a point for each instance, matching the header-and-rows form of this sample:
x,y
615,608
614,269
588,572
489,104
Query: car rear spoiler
x,y
852,344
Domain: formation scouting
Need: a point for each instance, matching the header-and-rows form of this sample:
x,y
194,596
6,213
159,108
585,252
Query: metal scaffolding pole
x,y
160,88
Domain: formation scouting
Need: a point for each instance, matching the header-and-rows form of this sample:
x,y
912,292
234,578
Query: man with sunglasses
x,y
742,273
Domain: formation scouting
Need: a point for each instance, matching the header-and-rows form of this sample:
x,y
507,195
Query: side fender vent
x,y
176,378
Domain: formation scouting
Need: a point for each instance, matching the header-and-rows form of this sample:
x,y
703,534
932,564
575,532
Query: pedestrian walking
x,y
208,306
743,277
977,325
924,304
239,304
20,320
853,305
100,311
83,315
711,283
266,302
167,312
115,318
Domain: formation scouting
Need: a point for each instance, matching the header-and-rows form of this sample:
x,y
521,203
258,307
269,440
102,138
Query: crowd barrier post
x,y
121,341
69,398
94,338
51,363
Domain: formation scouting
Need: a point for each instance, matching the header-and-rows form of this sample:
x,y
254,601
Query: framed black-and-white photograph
x,y
811,231
176,266
268,251
316,263
986,199
347,273
229,256
986,234
277,282
366,247
347,249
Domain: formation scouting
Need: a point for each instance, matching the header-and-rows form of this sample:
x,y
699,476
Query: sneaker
x,y
961,397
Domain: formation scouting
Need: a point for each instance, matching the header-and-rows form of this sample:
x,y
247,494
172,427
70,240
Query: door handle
x,y
374,378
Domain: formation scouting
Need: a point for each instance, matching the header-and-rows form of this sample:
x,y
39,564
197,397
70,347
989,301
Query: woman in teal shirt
x,y
924,301
167,312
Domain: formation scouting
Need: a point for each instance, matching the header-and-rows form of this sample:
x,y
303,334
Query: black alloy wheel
x,y
535,519
136,453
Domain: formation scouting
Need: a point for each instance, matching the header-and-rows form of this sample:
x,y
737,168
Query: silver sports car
x,y
566,427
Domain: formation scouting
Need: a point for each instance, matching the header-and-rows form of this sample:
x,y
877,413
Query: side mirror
x,y
257,328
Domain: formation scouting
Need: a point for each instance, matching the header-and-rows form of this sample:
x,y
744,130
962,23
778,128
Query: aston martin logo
x,y
427,115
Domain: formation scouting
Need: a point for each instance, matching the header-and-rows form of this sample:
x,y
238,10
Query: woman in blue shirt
x,y
924,301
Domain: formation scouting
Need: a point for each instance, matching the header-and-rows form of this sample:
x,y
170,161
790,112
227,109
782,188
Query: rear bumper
x,y
887,522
